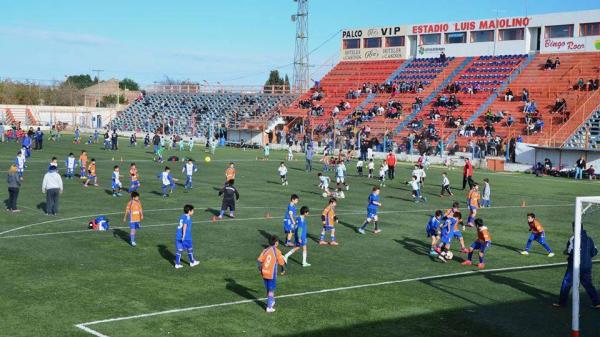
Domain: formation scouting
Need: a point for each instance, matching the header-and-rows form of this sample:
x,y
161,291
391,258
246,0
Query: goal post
x,y
582,204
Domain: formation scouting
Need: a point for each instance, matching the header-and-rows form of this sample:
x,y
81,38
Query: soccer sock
x,y
270,300
376,225
470,219
364,225
470,256
132,237
178,257
332,237
288,254
547,247
323,236
304,257
528,245
164,189
222,212
481,259
190,255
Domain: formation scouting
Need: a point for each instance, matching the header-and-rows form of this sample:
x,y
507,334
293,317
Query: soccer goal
x,y
584,207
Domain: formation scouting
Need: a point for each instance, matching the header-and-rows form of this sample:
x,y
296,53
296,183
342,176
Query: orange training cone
x,y
522,203
267,215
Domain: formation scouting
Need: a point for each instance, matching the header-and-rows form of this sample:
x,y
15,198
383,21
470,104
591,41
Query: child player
x,y
445,185
135,178
372,208
70,164
324,184
382,172
230,195
483,243
283,171
83,158
20,163
447,234
116,182
91,177
340,176
167,181
300,236
328,219
289,220
136,215
416,189
537,234
473,203
189,169
268,261
183,238
230,173
433,231
359,167
370,168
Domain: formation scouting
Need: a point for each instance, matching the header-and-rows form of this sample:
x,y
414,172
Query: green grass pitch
x,y
55,274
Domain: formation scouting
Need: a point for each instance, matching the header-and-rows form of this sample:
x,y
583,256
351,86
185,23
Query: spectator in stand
x,y
442,57
560,105
468,174
589,85
579,168
580,84
508,95
549,64
556,63
596,84
524,95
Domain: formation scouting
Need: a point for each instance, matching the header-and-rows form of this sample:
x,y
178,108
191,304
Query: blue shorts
x,y
135,183
447,238
270,285
183,245
432,232
481,246
328,228
371,213
116,186
472,208
288,227
134,225
457,234
539,237
297,243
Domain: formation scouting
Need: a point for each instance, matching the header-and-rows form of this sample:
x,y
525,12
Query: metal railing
x,y
218,89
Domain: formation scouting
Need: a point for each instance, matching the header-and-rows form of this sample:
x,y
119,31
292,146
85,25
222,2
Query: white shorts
x,y
340,180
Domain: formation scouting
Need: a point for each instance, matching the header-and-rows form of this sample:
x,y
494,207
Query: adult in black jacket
x,y
588,251
230,195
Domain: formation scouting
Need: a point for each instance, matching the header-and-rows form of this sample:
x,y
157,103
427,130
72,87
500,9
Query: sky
x,y
230,42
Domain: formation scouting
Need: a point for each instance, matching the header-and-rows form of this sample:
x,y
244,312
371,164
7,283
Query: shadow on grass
x,y
349,225
268,236
514,249
166,253
214,212
418,247
41,206
274,182
243,291
121,234
156,193
311,192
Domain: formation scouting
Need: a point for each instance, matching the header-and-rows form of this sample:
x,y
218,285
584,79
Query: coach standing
x,y
309,157
156,142
588,251
468,174
391,163
52,186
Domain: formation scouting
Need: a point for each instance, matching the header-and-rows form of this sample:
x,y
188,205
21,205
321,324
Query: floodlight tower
x,y
301,76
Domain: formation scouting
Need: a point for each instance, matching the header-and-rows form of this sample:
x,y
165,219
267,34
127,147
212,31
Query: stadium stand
x,y
182,112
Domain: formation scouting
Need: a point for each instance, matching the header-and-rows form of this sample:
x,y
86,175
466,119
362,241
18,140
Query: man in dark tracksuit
x,y
230,195
588,251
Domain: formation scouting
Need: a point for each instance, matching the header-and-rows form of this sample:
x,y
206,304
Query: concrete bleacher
x,y
186,112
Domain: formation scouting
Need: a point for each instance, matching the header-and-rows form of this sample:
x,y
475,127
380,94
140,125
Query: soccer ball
x,y
207,159
449,255
324,194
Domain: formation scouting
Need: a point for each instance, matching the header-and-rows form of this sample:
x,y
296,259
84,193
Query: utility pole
x,y
301,75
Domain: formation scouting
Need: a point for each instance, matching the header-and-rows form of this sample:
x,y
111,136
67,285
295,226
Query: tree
x,y
274,80
80,81
112,100
128,84
286,82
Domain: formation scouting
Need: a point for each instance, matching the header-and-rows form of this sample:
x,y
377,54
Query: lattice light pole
x,y
301,75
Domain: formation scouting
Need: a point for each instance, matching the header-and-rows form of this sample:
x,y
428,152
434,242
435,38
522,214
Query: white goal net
x,y
587,210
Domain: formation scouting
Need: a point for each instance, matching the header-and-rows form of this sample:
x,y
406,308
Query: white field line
x,y
97,214
228,220
85,326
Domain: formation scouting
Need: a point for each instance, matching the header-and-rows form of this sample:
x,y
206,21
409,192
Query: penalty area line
x,y
86,326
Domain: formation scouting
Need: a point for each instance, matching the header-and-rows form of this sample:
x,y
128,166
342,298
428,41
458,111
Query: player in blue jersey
x,y
447,229
374,204
289,220
189,169
433,231
300,237
183,238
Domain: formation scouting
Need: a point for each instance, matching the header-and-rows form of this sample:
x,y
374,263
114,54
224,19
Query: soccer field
x,y
60,279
